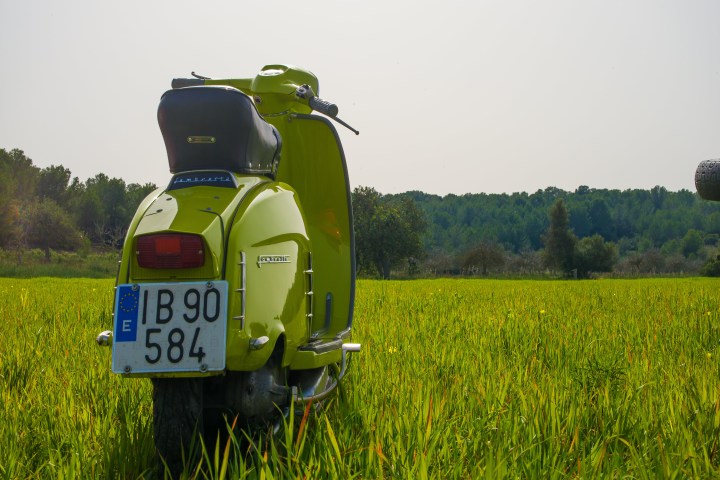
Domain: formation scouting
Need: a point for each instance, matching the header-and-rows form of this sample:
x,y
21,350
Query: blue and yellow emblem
x,y
128,300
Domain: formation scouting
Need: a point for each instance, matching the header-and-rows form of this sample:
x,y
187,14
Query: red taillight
x,y
170,250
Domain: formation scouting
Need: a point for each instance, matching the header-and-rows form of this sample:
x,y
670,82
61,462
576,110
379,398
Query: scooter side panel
x,y
267,251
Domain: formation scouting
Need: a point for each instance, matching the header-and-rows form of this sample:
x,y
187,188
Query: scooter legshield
x,y
317,170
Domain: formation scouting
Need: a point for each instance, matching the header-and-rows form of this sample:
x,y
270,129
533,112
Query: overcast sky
x,y
449,97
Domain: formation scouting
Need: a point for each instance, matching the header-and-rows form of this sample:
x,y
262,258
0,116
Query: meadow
x,y
456,379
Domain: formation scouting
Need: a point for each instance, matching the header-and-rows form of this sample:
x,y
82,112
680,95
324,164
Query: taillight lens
x,y
170,250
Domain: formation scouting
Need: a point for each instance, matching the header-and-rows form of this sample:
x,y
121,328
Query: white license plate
x,y
170,327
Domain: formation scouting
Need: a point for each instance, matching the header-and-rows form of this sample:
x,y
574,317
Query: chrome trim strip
x,y
310,294
242,290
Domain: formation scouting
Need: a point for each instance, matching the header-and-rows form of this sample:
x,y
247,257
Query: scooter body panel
x,y
203,210
315,167
268,248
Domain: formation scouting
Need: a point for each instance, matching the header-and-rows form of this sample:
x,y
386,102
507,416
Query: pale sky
x,y
449,96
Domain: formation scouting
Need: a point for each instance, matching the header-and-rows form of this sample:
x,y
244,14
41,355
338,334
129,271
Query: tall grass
x,y
62,413
457,379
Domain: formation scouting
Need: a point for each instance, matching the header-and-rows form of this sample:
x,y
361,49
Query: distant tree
x,y
583,190
136,193
48,226
712,223
659,195
23,174
711,268
679,264
526,262
387,231
580,221
112,197
103,207
439,262
594,254
559,240
691,243
89,214
18,180
74,193
652,261
602,223
483,257
634,261
53,183
365,204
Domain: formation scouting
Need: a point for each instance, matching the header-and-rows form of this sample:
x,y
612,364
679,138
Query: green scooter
x,y
236,286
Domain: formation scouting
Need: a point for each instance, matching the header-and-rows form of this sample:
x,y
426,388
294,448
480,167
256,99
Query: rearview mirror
x,y
707,179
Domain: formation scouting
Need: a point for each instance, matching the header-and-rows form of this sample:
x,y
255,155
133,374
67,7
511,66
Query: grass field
x,y
456,379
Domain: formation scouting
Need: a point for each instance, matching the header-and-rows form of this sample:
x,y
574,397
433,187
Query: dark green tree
x,y
559,240
53,183
135,194
691,243
387,230
365,203
48,226
594,254
112,196
602,223
711,268
23,174
89,214
659,195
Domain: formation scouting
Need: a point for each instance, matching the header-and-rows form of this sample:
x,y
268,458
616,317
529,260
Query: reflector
x,y
170,250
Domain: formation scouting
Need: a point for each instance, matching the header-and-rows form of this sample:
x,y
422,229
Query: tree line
x,y
49,209
578,233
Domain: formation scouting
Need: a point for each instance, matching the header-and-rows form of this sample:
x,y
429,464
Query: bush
x,y
33,263
711,268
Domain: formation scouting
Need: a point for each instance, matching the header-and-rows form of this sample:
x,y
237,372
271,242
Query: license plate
x,y
170,327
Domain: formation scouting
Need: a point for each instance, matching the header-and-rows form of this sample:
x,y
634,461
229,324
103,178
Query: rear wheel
x,y
253,401
177,415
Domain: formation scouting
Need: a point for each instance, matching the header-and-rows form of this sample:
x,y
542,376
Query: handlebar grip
x,y
320,105
187,82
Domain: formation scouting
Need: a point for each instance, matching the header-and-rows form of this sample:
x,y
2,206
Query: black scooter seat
x,y
215,127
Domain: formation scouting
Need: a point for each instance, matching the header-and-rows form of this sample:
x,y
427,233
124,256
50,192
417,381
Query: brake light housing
x,y
170,250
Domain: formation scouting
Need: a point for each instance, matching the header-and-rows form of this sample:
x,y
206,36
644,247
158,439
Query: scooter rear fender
x,y
267,268
203,210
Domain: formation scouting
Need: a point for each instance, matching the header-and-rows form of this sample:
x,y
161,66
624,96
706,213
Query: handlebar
x,y
305,92
274,90
322,106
